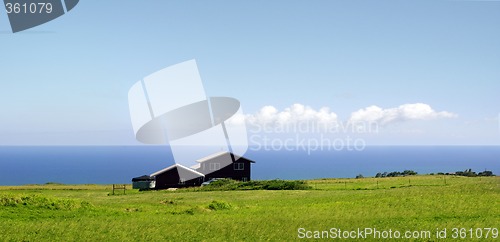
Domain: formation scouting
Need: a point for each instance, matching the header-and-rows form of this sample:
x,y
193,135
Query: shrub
x,y
486,173
219,205
223,183
285,185
229,185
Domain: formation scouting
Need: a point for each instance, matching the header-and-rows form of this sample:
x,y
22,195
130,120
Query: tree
x,y
485,173
409,173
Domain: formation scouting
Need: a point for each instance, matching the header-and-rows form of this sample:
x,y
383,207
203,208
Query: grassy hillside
x,y
90,213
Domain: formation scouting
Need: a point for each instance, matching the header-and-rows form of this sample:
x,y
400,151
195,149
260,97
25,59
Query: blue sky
x,y
66,82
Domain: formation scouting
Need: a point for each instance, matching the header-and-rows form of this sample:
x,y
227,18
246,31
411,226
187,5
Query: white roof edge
x,y
191,170
176,165
236,157
163,170
212,156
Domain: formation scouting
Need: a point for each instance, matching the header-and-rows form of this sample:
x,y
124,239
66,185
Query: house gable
x,y
177,176
221,165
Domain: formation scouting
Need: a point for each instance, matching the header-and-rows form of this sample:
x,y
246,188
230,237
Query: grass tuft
x,y
219,205
37,201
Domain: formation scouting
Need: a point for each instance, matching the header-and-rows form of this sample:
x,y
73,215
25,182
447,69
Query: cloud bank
x,y
299,113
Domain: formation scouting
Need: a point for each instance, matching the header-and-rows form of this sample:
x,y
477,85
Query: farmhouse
x,y
219,165
224,165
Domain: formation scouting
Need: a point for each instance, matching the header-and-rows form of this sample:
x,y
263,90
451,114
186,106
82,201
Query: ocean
x,y
119,164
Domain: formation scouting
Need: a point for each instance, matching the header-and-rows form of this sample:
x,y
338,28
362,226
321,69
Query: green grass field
x,y
89,213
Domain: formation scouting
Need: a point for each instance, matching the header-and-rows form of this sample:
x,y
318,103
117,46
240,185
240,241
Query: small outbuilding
x,y
144,182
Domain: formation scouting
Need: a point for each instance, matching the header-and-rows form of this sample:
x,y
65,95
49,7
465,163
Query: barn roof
x,y
142,178
176,166
218,154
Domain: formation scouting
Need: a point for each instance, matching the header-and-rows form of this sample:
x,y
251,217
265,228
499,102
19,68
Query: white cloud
x,y
297,113
415,111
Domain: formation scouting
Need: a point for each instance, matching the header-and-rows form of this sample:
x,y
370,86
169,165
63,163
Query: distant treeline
x,y
396,173
468,173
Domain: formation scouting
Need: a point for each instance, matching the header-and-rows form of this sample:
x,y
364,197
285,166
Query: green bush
x,y
223,183
285,185
219,205
230,185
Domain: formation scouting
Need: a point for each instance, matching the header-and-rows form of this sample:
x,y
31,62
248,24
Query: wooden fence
x,y
119,187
